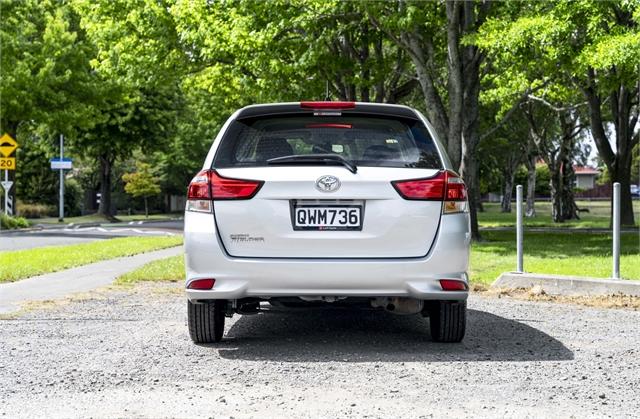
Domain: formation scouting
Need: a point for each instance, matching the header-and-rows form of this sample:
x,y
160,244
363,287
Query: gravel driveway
x,y
127,353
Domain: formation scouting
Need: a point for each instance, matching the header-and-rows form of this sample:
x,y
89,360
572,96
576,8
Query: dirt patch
x,y
538,294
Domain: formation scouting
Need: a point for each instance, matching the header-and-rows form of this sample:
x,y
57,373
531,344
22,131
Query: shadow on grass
x,y
555,245
366,336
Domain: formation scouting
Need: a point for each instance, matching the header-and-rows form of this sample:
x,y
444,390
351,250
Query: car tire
x,y
206,321
447,319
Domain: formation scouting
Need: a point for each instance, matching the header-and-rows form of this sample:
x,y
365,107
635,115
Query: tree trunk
x,y
104,208
618,162
569,207
507,193
555,186
562,199
470,119
456,82
146,208
531,186
626,201
456,119
469,172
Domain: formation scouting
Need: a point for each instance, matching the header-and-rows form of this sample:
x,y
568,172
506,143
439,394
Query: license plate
x,y
327,217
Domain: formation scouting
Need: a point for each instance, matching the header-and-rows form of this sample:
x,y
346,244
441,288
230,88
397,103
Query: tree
x,y
137,67
45,82
504,151
589,47
556,140
128,120
44,67
142,183
448,70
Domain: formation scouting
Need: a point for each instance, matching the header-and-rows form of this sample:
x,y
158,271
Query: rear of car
x,y
326,203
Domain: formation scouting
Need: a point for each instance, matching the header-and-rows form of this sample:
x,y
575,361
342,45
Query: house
x,y
585,177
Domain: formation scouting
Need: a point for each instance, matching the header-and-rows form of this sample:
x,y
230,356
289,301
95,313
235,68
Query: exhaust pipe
x,y
398,305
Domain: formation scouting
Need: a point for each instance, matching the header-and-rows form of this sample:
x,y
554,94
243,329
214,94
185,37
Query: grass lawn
x,y
585,254
19,264
169,269
94,218
597,217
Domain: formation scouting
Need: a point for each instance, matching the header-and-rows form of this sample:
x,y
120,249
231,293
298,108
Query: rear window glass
x,y
364,140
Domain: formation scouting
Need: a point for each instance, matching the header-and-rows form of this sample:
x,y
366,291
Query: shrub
x,y
35,210
9,223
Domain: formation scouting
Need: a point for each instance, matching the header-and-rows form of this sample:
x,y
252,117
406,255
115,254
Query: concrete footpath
x,y
81,279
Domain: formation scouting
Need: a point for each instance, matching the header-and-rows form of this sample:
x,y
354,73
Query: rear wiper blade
x,y
314,158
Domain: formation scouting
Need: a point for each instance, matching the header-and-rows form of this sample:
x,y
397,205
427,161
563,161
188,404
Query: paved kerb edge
x,y
567,285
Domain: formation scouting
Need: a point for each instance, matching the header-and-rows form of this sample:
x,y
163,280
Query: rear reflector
x,y
201,284
453,285
327,105
208,185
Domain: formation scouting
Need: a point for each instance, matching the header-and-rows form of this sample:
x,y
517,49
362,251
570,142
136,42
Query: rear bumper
x,y
267,277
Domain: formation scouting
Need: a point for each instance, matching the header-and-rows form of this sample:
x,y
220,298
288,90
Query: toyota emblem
x,y
327,183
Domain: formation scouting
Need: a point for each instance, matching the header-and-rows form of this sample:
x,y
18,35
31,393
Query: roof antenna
x,y
327,97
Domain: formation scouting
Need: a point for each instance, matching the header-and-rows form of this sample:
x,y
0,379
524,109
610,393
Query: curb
x,y
568,285
563,230
82,225
20,230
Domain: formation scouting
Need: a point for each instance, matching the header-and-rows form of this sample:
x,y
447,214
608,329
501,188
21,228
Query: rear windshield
x,y
364,140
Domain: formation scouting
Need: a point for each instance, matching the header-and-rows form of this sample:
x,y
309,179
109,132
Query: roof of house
x,y
585,170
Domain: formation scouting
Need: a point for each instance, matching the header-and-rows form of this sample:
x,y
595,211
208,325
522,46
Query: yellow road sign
x,y
7,145
7,163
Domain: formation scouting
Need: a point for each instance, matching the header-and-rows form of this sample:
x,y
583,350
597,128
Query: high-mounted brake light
x,y
445,186
327,105
209,186
329,125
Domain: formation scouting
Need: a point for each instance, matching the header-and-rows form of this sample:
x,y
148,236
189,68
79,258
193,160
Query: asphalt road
x,y
126,353
53,235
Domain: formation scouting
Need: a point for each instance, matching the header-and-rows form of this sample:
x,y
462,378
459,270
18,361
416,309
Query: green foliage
x,y
73,197
142,183
543,176
34,210
555,44
159,77
8,222
35,181
635,165
44,66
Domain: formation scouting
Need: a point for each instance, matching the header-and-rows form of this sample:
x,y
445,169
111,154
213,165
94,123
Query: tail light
x,y
453,285
445,186
327,105
208,186
201,284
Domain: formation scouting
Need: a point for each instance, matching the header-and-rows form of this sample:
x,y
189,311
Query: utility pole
x,y
61,198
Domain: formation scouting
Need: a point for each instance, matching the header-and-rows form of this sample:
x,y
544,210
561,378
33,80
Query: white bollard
x,y
519,228
616,230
